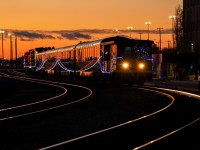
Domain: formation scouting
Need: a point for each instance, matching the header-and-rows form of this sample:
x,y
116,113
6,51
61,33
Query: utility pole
x,y
140,34
11,51
168,42
159,29
16,51
2,32
130,28
148,23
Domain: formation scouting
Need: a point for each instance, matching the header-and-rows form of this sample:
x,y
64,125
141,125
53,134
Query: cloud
x,y
31,35
85,34
26,35
75,36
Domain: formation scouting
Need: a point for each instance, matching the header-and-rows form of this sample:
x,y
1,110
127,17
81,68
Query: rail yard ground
x,y
110,105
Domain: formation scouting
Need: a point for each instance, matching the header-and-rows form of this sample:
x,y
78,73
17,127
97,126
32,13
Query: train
x,y
116,60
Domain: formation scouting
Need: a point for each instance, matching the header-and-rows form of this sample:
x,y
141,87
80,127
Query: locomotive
x,y
115,59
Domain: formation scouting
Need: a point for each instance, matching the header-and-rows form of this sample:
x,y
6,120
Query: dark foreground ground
x,y
108,107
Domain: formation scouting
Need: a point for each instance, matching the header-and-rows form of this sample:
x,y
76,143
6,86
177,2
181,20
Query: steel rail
x,y
116,126
51,108
176,130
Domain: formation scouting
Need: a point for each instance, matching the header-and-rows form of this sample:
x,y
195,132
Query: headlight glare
x,y
141,66
125,65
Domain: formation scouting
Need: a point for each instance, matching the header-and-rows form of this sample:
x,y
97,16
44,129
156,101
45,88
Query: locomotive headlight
x,y
125,65
141,66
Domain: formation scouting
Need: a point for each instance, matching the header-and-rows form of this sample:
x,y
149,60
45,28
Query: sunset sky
x,y
58,23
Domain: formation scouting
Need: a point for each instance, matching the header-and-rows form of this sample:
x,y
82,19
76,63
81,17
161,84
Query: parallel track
x,y
169,126
42,105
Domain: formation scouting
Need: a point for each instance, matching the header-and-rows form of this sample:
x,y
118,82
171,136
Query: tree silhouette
x,y
178,29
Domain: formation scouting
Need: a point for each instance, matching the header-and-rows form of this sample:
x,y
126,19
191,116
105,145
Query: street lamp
x,y
148,24
159,29
172,18
11,49
2,32
16,51
130,28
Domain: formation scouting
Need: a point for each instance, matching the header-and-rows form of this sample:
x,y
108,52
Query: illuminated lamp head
x,y
125,65
141,66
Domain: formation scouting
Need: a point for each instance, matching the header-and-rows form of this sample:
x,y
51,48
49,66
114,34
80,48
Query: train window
x,y
113,51
127,51
106,54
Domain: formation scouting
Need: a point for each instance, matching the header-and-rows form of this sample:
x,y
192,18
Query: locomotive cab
x,y
126,62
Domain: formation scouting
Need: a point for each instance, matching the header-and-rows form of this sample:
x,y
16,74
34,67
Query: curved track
x,y
118,118
26,107
186,124
89,138
167,128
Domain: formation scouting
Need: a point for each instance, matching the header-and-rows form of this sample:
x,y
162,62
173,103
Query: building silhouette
x,y
191,26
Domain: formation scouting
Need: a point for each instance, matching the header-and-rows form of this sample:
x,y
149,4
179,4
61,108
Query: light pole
x,y
159,29
2,32
168,43
130,28
140,35
148,24
11,50
16,51
172,18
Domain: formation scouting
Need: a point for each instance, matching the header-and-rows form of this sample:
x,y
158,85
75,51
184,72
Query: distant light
x,y
148,23
172,17
130,28
2,31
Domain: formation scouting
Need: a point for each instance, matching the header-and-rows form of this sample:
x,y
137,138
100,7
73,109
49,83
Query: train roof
x,y
89,43
79,45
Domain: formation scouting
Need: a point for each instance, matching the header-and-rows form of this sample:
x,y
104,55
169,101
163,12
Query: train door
x,y
113,56
109,55
106,58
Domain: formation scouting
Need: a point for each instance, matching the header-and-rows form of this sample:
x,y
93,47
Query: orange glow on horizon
x,y
51,15
24,46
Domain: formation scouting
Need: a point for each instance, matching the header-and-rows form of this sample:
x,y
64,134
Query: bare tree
x,y
178,28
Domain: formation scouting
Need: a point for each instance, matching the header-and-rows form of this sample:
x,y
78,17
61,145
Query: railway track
x,y
175,126
119,118
61,99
